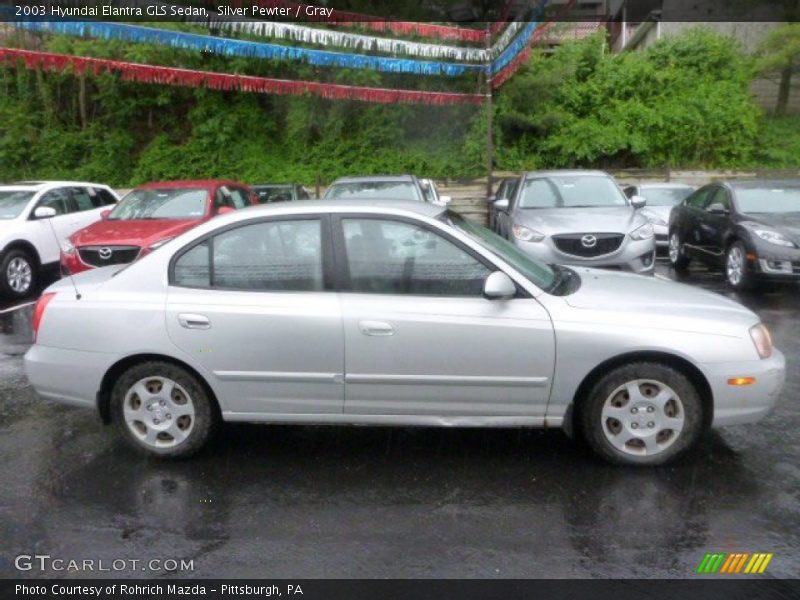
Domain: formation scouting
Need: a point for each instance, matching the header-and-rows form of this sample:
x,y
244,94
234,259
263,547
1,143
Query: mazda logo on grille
x,y
104,253
589,241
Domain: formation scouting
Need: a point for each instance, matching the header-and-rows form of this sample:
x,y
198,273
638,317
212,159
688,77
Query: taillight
x,y
38,312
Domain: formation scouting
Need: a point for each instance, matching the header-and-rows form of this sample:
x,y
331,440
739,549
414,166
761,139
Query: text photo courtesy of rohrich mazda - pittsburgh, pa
x,y
357,299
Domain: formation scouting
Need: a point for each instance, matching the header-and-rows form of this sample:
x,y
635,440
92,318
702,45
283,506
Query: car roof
x,y
187,183
36,186
376,205
563,172
757,183
373,178
273,185
665,184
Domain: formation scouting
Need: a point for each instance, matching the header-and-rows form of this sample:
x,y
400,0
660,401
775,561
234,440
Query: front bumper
x,y
734,405
662,236
71,264
634,256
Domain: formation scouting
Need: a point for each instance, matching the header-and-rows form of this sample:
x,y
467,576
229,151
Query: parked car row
x,y
748,229
77,226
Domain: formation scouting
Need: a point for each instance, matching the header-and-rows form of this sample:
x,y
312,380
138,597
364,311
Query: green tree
x,y
778,58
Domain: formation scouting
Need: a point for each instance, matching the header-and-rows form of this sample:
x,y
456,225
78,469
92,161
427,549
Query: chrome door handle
x,y
375,328
190,321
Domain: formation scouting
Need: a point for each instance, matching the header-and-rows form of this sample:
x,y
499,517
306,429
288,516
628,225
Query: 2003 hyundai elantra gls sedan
x,y
387,313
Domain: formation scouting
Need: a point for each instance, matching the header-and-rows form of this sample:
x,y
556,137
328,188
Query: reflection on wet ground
x,y
283,501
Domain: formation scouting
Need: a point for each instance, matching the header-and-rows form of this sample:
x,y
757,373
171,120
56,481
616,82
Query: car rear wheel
x,y
677,256
736,272
642,414
19,274
161,409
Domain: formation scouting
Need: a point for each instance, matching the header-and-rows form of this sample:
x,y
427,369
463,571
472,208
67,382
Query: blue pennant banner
x,y
231,47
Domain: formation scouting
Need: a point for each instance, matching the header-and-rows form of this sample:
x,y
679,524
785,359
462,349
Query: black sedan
x,y
751,229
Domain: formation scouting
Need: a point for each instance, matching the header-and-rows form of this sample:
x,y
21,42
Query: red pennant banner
x,y
229,82
340,17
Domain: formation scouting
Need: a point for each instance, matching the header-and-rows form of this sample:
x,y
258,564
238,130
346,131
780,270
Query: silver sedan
x,y
578,218
388,313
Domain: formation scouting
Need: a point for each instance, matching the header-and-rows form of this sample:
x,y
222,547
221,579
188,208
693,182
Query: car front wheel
x,y
161,409
736,272
642,414
19,274
677,257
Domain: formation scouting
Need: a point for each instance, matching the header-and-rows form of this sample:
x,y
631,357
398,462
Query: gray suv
x,y
578,218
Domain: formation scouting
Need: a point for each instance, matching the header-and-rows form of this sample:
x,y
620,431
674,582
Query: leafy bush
x,y
683,102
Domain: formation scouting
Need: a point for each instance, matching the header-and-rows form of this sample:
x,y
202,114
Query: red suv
x,y
149,217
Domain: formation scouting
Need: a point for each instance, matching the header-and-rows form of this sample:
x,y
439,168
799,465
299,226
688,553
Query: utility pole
x,y
490,110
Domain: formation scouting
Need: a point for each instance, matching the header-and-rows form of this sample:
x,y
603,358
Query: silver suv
x,y
578,218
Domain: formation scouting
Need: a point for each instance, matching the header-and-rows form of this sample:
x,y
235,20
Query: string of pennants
x,y
498,62
227,81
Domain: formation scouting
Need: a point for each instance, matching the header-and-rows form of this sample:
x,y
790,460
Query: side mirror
x,y
445,199
44,212
498,286
501,204
223,210
104,213
638,202
717,208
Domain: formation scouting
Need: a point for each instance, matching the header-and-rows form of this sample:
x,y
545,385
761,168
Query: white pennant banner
x,y
366,43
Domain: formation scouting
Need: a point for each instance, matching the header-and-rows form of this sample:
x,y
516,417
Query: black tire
x,y
202,425
596,432
12,261
677,256
746,280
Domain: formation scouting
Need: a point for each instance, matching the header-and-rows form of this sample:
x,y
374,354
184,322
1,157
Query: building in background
x,y
638,24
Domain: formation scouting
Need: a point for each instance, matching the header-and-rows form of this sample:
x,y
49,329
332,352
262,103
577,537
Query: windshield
x,y
273,193
165,203
13,203
571,191
665,196
539,273
388,190
774,199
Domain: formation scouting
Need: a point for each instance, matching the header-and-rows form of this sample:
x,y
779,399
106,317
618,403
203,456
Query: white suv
x,y
27,243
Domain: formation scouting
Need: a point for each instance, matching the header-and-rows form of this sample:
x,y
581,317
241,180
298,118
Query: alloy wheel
x,y
674,248
159,412
734,266
19,275
643,417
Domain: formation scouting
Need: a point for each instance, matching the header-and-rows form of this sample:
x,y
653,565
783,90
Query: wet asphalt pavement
x,y
301,501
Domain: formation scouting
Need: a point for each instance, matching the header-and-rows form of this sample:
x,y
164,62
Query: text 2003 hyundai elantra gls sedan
x,y
387,313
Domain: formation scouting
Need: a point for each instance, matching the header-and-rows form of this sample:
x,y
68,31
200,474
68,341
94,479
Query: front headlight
x,y
160,243
645,232
773,237
67,247
524,234
762,340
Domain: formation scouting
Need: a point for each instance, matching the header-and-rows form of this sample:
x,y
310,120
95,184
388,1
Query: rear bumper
x,y
734,405
70,377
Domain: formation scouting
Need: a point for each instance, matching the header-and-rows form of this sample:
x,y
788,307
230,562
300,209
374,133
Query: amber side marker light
x,y
741,381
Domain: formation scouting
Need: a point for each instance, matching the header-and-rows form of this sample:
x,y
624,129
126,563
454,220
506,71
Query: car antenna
x,y
58,245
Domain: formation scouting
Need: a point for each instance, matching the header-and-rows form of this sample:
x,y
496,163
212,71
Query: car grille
x,y
572,243
102,256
